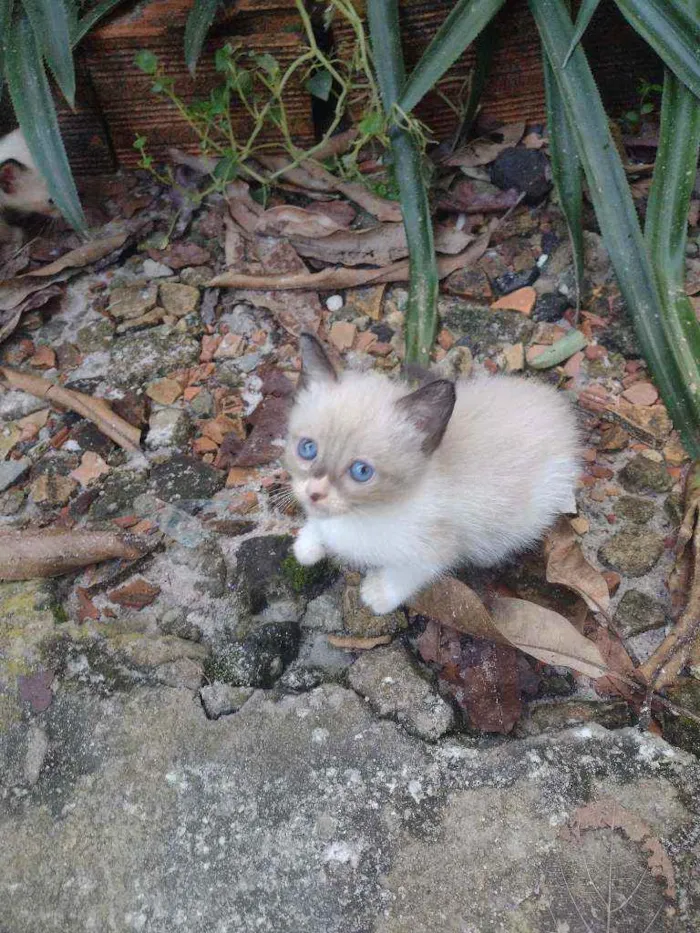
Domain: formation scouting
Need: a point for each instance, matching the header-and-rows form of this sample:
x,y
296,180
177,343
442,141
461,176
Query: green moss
x,y
307,580
59,614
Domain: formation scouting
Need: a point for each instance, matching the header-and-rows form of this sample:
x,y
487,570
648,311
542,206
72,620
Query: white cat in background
x,y
22,188
411,484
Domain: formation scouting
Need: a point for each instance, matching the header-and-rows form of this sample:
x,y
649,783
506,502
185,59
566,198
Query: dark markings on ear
x,y
430,409
10,171
315,365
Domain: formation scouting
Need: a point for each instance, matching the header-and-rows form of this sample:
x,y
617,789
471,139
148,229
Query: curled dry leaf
x,y
82,256
36,299
25,555
330,279
352,643
567,566
94,409
287,220
453,603
489,687
483,151
666,662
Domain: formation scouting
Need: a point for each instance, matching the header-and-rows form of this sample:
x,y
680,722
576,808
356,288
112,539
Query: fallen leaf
x,y
567,566
453,603
94,409
26,555
522,300
342,212
264,443
35,299
287,220
92,466
77,258
465,198
136,594
488,686
482,151
624,681
181,254
355,643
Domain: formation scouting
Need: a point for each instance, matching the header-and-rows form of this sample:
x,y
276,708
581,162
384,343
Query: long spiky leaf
x,y
615,210
199,21
50,23
585,15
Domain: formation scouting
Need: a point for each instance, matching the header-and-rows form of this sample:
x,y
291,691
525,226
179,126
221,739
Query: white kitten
x,y
413,484
22,188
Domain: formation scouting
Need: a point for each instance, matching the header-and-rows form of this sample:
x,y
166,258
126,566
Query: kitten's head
x,y
358,440
22,188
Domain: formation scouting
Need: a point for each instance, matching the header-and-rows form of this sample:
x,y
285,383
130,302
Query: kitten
x,y
22,188
413,484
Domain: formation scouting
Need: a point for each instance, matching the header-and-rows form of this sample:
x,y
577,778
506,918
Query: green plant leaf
x,y
50,24
666,223
585,15
227,168
421,313
672,31
460,29
485,46
615,210
91,18
320,84
566,170
198,24
146,61
5,20
36,113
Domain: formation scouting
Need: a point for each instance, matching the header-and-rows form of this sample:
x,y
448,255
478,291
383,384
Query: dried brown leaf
x,y
287,220
378,246
453,603
488,687
483,151
567,566
353,643
25,555
94,409
82,256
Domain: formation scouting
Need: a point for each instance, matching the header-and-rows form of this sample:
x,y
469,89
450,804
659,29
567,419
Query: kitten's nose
x,y
317,489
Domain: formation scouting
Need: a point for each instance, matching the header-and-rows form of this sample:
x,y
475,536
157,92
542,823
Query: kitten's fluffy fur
x,y
22,188
465,474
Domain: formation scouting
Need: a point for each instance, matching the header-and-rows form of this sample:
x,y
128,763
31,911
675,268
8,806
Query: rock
x,y
633,552
472,284
513,281
308,814
178,299
334,303
11,470
219,699
527,170
324,614
119,490
613,437
12,501
317,661
174,621
597,263
203,404
550,307
637,613
644,475
359,619
553,717
365,301
136,594
138,359
185,673
183,477
673,507
95,337
51,490
342,335
389,680
132,301
256,659
155,270
168,427
198,276
633,509
456,364
15,405
641,393
231,346
680,728
206,561
523,301
165,391
485,330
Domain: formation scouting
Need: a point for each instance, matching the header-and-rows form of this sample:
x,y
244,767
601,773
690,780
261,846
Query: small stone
x,y
365,301
472,284
174,621
522,300
613,580
52,490
526,170
219,699
132,301
342,335
580,525
184,477
334,303
513,281
135,595
514,355
675,453
533,351
643,475
178,299
324,614
155,270
641,393
550,307
673,507
572,367
256,659
43,358
632,551
457,364
359,619
165,391
140,358
613,437
389,680
185,672
92,467
180,254
653,420
95,337
231,346
15,405
202,404
198,276
633,509
637,613
169,427
364,341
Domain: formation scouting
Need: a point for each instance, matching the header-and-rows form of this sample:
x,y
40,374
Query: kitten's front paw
x,y
378,595
308,549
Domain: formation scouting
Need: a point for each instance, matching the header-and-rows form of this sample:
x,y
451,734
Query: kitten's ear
x,y
11,172
430,409
315,365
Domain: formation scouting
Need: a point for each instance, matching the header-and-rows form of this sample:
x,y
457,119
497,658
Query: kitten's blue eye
x,y
361,471
307,449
